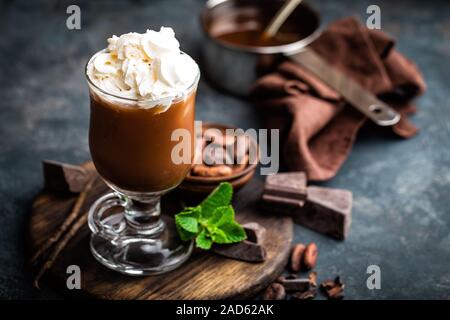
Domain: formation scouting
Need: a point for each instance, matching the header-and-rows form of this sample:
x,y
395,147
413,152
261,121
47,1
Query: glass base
x,y
136,254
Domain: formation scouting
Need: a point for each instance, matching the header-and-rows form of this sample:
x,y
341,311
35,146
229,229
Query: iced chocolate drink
x,y
142,88
131,147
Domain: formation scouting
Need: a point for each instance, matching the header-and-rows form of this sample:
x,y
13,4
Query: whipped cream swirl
x,y
144,66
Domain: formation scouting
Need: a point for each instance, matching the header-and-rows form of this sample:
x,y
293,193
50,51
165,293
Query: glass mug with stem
x,y
131,148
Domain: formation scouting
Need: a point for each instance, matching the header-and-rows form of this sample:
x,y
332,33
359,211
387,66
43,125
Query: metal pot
x,y
236,68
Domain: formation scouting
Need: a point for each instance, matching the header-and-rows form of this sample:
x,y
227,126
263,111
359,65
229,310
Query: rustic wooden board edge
x,y
56,279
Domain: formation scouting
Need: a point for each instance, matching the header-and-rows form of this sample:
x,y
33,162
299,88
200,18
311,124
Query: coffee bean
x,y
216,156
214,171
310,256
219,138
297,257
274,292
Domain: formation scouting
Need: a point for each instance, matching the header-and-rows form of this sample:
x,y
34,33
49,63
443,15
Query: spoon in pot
x,y
280,17
353,92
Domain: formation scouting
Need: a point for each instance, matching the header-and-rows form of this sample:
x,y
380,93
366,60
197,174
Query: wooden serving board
x,y
204,276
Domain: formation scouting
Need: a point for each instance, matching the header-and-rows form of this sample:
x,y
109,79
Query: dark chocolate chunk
x,y
281,278
296,284
281,204
63,177
335,293
291,185
312,276
285,193
255,232
333,289
245,251
306,295
327,211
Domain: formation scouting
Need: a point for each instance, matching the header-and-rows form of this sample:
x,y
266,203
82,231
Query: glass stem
x,y
144,214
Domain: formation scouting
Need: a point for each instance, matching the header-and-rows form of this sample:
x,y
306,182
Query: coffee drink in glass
x,y
142,88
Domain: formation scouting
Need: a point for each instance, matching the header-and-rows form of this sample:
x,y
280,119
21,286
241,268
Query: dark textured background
x,y
401,214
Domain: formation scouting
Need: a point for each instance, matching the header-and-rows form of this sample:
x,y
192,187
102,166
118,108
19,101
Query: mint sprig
x,y
212,221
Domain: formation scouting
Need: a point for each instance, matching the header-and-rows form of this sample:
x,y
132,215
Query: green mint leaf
x,y
227,215
212,221
188,223
203,241
219,236
185,235
221,215
221,196
190,211
234,232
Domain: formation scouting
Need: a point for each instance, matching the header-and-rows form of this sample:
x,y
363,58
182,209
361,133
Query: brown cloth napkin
x,y
318,128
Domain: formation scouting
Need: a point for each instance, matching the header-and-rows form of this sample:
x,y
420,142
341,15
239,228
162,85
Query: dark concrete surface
x,y
401,214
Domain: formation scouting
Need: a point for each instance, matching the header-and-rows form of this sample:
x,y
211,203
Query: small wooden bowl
x,y
204,185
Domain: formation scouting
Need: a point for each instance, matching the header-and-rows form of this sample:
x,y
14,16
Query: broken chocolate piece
x,y
335,293
327,211
250,250
296,284
284,193
327,284
63,177
333,289
312,276
291,276
306,295
286,205
274,292
245,251
255,232
291,185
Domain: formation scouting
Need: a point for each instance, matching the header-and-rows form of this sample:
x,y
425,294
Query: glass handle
x,y
100,225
